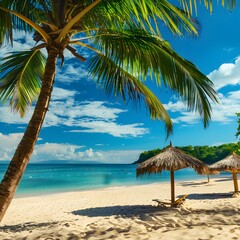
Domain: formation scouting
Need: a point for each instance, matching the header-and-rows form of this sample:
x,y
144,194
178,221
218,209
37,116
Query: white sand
x,y
127,213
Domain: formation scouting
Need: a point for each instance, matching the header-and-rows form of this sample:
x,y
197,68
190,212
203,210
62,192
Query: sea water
x,y
41,179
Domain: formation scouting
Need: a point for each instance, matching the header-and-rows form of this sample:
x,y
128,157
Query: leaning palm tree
x,y
126,46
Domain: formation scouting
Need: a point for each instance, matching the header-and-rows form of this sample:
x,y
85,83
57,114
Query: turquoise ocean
x,y
41,179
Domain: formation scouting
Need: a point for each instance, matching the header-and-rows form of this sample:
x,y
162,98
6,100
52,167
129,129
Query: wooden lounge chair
x,y
177,203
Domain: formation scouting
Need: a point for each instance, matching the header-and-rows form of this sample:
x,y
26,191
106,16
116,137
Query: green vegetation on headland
x,y
208,154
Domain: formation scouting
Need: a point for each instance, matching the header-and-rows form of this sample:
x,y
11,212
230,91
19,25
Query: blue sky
x,y
83,124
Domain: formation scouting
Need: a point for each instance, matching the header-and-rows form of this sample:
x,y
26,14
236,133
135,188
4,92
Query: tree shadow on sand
x,y
204,183
210,196
147,212
223,179
185,184
123,211
28,226
141,210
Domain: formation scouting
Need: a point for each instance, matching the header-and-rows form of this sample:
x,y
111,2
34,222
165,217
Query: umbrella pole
x,y
234,174
172,187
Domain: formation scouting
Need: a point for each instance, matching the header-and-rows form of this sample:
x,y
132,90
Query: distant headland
x,y
208,154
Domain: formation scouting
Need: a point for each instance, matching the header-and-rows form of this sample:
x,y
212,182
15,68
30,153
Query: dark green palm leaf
x,y
6,26
29,8
118,81
59,11
20,81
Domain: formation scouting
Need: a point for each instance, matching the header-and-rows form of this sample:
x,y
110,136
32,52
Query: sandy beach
x,y
210,212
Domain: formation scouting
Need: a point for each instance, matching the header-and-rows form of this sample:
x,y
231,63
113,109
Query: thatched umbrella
x,y
231,163
171,159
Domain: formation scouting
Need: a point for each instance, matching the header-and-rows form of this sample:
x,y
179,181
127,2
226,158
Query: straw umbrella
x,y
230,163
171,159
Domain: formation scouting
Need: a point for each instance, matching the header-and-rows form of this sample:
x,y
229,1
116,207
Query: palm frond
x,y
119,82
76,19
58,9
146,13
175,18
6,26
20,15
141,53
20,81
31,9
29,22
190,5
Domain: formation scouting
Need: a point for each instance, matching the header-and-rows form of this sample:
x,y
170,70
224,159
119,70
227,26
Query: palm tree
x,y
119,34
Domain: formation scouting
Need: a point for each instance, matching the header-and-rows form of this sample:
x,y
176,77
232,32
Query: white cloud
x,y
64,151
84,52
47,151
61,94
224,112
112,128
227,74
120,156
177,106
7,116
228,50
72,72
85,116
56,151
8,144
94,109
22,41
99,144
227,108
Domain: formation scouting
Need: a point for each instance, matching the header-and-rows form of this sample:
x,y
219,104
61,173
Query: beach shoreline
x,y
26,195
127,212
44,179
46,193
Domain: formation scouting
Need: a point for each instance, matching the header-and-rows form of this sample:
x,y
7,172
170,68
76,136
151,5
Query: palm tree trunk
x,y
25,148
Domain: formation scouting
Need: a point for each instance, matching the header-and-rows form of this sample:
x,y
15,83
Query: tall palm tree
x,y
125,42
